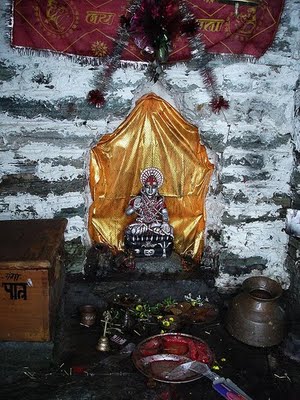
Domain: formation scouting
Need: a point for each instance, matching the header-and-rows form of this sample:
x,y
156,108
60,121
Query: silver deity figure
x,y
151,230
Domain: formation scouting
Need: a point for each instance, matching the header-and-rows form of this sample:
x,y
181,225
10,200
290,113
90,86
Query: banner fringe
x,y
138,65
84,60
225,57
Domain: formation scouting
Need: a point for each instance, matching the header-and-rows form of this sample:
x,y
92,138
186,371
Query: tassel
x,y
96,98
218,103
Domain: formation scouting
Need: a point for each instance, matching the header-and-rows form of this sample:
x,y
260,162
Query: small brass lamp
x,y
237,3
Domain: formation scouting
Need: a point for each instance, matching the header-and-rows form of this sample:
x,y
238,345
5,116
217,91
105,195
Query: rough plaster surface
x,y
48,129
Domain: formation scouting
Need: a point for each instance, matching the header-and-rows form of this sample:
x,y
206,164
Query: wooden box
x,y
31,278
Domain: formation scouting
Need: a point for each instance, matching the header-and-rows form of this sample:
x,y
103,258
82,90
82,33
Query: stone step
x,y
153,279
154,265
155,289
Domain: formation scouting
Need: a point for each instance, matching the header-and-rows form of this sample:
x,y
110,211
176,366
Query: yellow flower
x,y
159,317
166,323
139,307
171,319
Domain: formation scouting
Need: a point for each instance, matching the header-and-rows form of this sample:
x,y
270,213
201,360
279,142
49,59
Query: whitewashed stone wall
x,y
48,129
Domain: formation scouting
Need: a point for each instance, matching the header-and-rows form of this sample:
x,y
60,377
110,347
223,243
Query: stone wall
x,y
48,129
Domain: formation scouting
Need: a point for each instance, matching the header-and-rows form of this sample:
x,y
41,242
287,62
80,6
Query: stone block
x,y
249,140
282,199
295,179
255,161
75,254
12,185
228,219
7,72
233,264
160,265
245,177
240,197
294,248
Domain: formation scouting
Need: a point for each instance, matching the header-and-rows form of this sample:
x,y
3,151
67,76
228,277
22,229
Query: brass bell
x,y
237,3
103,344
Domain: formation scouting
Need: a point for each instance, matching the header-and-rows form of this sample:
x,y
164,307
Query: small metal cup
x,y
87,315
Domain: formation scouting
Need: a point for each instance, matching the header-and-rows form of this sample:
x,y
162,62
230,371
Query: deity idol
x,y
150,234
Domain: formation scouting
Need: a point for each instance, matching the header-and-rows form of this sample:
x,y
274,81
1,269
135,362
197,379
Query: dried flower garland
x,y
153,25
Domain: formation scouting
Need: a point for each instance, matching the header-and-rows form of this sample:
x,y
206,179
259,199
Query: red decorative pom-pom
x,y
96,98
219,103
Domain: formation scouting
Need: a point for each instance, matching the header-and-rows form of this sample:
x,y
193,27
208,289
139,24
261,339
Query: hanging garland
x,y
96,97
154,25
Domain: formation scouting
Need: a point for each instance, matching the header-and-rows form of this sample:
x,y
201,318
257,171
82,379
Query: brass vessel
x,y
255,316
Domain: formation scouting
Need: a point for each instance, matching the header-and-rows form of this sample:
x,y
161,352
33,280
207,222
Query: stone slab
x,y
156,290
161,265
18,358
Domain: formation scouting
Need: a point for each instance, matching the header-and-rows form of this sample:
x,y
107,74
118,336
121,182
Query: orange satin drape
x,y
153,135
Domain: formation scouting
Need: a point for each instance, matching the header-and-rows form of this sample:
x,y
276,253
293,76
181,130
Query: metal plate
x,y
158,366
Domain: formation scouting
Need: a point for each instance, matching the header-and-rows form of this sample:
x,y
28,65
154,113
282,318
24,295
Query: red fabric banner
x,y
89,27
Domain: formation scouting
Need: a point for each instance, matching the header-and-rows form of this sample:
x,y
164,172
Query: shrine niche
x,y
154,135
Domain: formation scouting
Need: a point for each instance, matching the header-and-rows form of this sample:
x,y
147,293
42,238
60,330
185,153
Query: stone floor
x,y
71,368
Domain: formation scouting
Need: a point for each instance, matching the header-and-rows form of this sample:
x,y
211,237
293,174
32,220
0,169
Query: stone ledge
x,y
156,290
19,357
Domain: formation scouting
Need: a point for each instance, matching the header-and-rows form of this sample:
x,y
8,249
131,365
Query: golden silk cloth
x,y
153,135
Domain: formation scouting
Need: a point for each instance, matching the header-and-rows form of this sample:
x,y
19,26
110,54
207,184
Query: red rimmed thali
x,y
158,355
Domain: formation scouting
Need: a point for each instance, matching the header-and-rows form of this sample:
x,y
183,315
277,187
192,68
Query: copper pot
x,y
255,316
